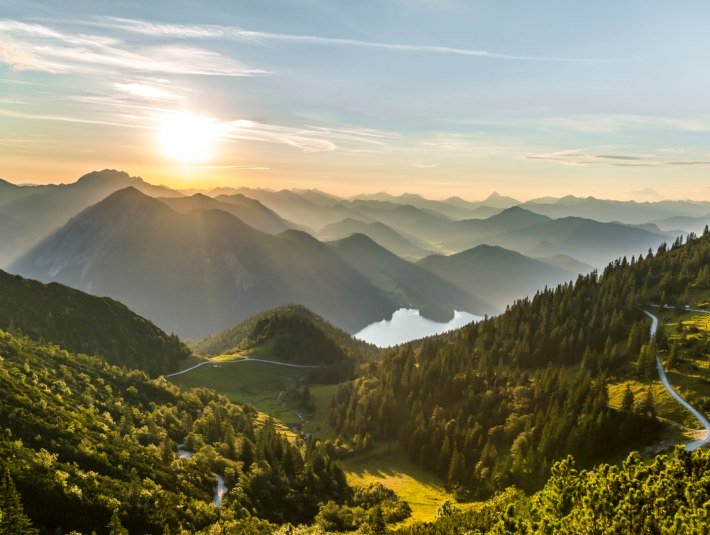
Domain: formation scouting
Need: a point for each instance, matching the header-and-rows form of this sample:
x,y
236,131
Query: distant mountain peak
x,y
107,175
201,197
497,200
495,196
518,212
359,239
128,198
114,179
488,249
128,193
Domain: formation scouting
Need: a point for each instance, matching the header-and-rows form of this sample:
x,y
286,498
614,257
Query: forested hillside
x,y
497,402
291,333
84,441
82,323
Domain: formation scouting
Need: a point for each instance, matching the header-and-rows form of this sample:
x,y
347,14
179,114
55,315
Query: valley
x,y
408,383
272,389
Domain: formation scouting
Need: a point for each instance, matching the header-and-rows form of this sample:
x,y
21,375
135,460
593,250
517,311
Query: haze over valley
x,y
195,264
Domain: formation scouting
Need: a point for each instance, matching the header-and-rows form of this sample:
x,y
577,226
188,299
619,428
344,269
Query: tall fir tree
x,y
13,519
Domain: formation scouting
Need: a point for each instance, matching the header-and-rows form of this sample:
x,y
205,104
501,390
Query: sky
x,y
438,97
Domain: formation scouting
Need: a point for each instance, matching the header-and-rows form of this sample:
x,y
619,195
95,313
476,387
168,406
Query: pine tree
x,y
377,521
645,364
115,527
627,402
456,468
661,338
647,406
13,519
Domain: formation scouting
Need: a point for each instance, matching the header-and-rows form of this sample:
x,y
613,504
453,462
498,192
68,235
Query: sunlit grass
x,y
229,358
384,464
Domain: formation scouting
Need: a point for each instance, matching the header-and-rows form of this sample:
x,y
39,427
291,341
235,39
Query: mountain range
x,y
536,235
196,264
198,272
30,213
497,275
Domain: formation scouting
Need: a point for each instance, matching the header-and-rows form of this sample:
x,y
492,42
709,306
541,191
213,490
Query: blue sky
x,y
438,97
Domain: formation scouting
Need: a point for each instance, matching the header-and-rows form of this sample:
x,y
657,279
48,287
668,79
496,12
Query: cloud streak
x,y
35,47
211,31
611,123
584,158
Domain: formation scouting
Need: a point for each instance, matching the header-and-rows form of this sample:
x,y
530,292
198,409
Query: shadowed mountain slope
x,y
408,283
30,213
82,323
198,272
495,274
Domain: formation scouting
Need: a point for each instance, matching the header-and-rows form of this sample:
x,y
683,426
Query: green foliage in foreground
x,y
85,441
83,323
669,495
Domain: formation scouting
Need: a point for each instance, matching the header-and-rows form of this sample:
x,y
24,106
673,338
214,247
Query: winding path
x,y
691,446
239,361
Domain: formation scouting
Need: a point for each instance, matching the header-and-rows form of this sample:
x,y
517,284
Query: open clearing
x,y
387,465
257,383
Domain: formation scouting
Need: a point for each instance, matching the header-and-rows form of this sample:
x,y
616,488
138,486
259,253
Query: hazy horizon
x,y
432,97
473,197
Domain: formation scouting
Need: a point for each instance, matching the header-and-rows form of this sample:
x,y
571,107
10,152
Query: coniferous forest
x,y
498,402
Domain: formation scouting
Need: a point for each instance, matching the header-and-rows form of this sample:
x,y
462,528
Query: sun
x,y
187,138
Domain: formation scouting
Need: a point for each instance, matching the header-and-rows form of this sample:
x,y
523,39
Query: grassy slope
x,y
422,490
256,383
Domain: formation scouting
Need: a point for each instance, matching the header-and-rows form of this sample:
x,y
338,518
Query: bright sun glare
x,y
186,137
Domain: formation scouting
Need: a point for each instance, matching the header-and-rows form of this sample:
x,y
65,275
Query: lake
x,y
406,325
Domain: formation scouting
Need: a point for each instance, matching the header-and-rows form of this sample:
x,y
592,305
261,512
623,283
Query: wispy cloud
x,y
610,123
37,47
243,167
20,59
146,91
211,31
67,119
587,158
423,165
300,138
15,82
